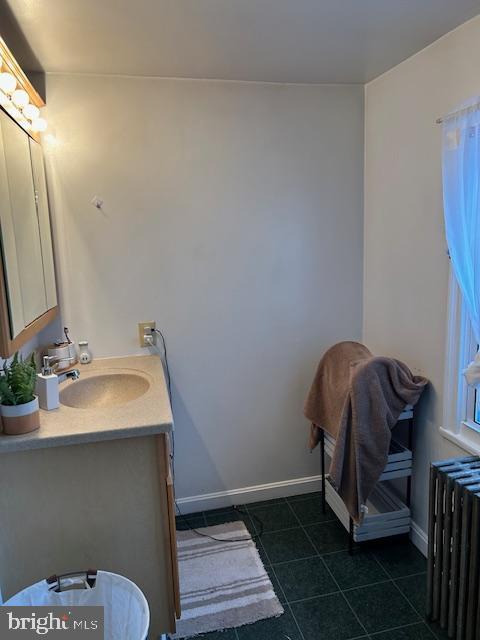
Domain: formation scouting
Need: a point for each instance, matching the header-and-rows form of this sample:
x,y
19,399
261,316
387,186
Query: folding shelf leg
x,y
350,536
409,479
322,467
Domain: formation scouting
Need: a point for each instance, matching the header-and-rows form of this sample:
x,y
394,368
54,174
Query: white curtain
x,y
461,197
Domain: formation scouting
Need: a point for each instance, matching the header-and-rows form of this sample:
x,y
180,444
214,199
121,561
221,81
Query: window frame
x,y
459,425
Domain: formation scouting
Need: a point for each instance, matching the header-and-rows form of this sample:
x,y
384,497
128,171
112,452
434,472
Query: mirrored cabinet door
x,y
25,220
12,290
41,197
28,287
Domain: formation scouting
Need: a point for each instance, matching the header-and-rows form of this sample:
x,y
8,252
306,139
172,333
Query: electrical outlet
x,y
145,330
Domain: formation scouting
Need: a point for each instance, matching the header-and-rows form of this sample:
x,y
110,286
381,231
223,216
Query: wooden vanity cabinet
x,y
106,505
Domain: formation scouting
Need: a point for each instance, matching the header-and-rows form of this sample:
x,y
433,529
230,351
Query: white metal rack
x,y
388,515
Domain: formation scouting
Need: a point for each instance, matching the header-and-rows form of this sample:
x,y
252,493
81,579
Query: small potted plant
x,y
18,403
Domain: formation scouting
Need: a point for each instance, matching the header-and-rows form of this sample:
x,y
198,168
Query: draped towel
x,y
357,398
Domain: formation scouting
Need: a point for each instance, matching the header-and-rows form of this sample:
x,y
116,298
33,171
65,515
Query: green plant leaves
x,y
17,384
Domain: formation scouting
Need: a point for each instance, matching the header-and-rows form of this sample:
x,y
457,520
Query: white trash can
x,y
126,612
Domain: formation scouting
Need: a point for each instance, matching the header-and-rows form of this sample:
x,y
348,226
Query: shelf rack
x,y
388,515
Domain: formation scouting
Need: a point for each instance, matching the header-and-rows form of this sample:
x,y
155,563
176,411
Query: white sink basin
x,y
104,390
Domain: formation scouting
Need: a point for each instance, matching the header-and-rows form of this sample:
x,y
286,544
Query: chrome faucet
x,y
50,365
74,374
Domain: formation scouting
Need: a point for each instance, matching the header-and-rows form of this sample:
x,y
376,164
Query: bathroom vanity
x,y
93,488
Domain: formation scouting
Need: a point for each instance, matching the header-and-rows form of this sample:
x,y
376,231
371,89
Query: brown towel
x,y
357,398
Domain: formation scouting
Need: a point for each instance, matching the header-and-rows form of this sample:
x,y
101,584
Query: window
x,y
476,411
462,403
472,413
461,205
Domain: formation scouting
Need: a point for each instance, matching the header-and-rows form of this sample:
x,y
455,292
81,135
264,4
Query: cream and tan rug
x,y
222,584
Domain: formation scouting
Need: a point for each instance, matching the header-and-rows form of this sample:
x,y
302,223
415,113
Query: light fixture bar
x,y
14,102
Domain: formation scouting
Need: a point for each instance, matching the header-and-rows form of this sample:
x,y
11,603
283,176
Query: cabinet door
x,y
41,197
9,250
173,545
25,220
169,526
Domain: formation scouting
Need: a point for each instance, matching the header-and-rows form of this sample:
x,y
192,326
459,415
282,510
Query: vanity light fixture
x,y
17,95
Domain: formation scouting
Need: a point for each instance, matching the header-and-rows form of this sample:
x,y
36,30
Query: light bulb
x,y
31,112
39,124
20,98
7,82
13,111
4,100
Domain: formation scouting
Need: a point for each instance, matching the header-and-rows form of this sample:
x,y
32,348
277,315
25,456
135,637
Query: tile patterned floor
x,y
378,593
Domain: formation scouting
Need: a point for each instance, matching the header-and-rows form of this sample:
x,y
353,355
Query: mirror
x,y
43,212
28,287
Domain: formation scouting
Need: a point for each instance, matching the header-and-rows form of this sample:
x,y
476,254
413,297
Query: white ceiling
x,y
309,41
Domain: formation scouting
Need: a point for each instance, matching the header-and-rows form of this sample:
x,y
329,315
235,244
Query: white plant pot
x,y
20,418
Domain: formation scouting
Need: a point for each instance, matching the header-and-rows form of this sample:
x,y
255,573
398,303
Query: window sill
x,y
467,439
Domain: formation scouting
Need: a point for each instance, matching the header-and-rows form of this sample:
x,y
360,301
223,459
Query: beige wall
x,y
406,266
233,217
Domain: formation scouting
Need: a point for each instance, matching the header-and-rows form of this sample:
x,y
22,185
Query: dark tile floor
x,y
377,593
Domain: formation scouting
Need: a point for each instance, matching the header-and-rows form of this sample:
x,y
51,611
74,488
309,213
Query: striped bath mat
x,y
222,584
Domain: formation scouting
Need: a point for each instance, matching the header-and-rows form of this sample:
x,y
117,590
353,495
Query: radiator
x,y
453,595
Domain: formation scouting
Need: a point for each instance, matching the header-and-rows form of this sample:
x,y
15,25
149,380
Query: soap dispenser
x,y
46,387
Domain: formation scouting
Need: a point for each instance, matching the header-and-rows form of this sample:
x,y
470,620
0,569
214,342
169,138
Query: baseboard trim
x,y
282,489
419,538
245,495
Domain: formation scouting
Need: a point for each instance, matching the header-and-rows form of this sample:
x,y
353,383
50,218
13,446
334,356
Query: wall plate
x,y
145,328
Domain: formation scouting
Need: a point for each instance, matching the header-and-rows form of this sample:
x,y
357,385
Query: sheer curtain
x,y
461,197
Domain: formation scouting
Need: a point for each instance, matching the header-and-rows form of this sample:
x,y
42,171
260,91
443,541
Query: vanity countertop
x,y
146,415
